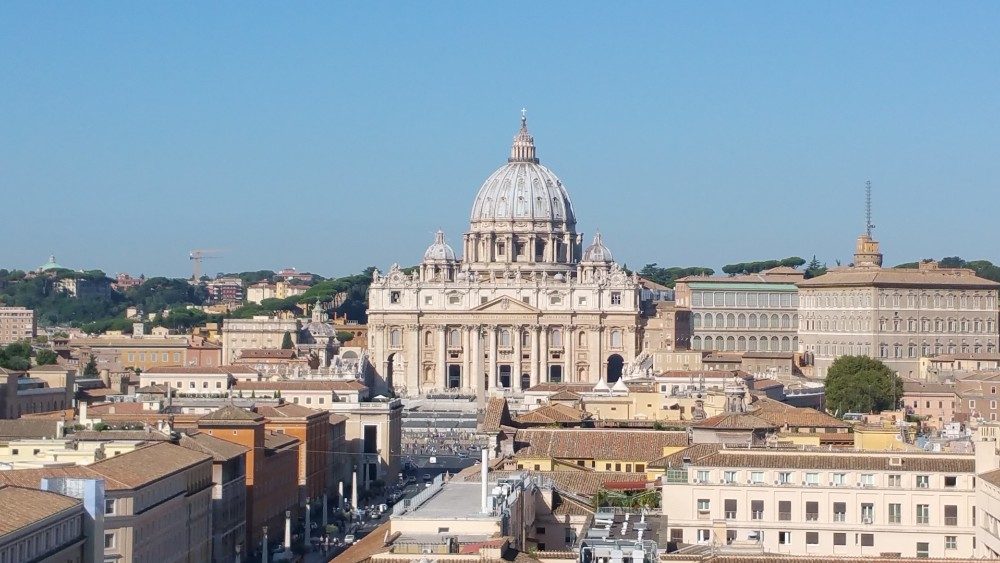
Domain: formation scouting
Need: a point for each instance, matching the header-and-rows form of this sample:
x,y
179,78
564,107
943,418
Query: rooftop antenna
x,y
868,208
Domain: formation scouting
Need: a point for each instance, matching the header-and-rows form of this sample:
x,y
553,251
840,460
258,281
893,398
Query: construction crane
x,y
196,256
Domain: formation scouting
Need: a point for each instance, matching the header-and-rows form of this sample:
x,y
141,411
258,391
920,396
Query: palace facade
x,y
525,303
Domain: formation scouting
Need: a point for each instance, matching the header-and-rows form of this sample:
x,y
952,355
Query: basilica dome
x,y
597,252
522,189
439,250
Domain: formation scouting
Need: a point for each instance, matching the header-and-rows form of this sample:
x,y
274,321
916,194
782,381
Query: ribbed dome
x,y
523,189
440,250
597,252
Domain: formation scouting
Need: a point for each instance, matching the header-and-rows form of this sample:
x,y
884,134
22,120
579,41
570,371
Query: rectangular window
x,y
812,538
923,514
704,505
812,511
784,510
756,477
784,478
923,549
109,540
867,480
730,508
616,298
951,542
839,538
867,513
895,513
812,479
756,510
539,530
703,476
895,481
867,540
951,515
950,481
784,538
704,535
729,476
839,511
109,506
839,479
923,481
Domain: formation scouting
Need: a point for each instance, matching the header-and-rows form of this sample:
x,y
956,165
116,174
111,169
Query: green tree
x,y
814,269
90,370
286,341
344,337
861,384
16,356
46,357
667,276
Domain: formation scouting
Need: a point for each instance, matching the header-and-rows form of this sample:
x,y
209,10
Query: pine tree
x,y
286,341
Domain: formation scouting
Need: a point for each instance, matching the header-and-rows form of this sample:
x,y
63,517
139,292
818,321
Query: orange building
x,y
271,467
312,429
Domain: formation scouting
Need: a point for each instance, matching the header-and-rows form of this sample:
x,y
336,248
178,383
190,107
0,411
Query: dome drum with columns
x,y
524,304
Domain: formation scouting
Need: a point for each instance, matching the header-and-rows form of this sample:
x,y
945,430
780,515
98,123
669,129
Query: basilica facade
x,y
525,302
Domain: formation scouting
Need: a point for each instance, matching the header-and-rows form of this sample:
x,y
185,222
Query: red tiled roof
x,y
637,445
299,385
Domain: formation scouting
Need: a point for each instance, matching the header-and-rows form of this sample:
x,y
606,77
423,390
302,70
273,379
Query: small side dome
x,y
559,277
440,250
597,252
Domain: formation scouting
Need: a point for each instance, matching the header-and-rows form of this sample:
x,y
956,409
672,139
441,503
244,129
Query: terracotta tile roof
x,y
29,428
32,478
783,415
774,275
762,384
734,421
230,413
565,395
337,419
277,440
299,385
288,410
689,454
267,353
145,465
179,370
991,477
25,506
366,547
495,414
565,506
130,435
116,408
220,450
917,387
553,414
636,445
894,277
823,458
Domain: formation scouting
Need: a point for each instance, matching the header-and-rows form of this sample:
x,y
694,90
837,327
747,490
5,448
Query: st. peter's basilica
x,y
525,303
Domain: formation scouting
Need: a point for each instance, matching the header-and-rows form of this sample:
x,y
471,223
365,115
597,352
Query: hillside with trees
x,y
668,276
742,268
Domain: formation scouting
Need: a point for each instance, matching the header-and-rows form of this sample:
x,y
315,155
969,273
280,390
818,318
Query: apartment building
x,y
595,449
934,403
40,526
157,504
27,393
16,324
312,429
195,380
258,332
144,352
745,313
225,290
823,503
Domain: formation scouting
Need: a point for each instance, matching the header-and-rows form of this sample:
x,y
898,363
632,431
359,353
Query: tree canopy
x,y
983,268
45,357
16,356
667,276
861,384
760,266
815,269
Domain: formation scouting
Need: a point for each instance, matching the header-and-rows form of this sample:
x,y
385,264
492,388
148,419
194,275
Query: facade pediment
x,y
505,305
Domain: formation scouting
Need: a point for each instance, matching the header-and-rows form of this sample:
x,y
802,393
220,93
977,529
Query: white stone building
x,y
525,303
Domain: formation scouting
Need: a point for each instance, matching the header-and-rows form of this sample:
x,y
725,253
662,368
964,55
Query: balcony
x,y
730,515
812,517
677,476
839,517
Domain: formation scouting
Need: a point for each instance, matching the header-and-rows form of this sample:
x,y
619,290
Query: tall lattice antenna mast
x,y
868,208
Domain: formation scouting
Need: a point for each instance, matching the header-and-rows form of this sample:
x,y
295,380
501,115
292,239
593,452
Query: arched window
x,y
582,339
753,321
774,344
786,344
720,321
504,338
428,338
455,338
557,338
730,343
616,339
526,340
741,344
741,321
709,321
752,344
696,320
775,323
696,343
719,343
730,320
786,321
396,338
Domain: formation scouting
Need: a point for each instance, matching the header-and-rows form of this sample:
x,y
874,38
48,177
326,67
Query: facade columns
x,y
410,377
494,378
515,370
595,355
468,382
477,363
535,355
569,341
442,370
543,355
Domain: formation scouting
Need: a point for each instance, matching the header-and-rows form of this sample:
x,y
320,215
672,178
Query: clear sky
x,y
331,136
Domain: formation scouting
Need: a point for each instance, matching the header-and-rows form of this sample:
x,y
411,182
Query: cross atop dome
x,y
523,149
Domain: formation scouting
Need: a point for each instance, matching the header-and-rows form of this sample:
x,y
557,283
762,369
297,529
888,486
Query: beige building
x,y
755,313
41,526
197,380
281,289
16,324
823,503
259,332
526,302
157,501
895,315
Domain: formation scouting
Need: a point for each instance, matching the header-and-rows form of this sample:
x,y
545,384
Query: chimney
x,y
484,486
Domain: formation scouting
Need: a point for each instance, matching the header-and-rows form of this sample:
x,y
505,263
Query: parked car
x,y
349,539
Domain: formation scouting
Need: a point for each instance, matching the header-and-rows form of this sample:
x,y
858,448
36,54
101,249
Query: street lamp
x,y
263,552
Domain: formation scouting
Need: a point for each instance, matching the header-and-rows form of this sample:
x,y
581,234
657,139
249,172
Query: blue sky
x,y
330,136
